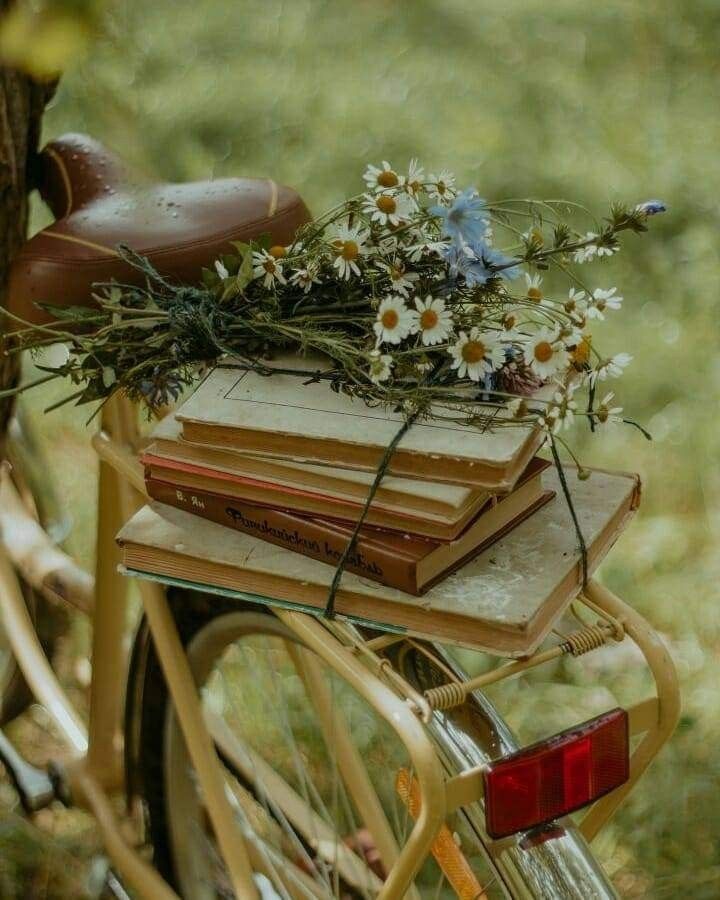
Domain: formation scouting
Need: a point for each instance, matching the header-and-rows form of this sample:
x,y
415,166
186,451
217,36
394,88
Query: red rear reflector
x,y
557,776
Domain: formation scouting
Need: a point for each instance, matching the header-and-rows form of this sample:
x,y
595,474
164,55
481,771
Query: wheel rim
x,y
297,799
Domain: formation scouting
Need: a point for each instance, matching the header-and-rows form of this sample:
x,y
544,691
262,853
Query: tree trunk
x,y
22,101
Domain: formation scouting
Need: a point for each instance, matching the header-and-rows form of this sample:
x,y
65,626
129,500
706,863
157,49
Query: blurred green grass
x,y
520,98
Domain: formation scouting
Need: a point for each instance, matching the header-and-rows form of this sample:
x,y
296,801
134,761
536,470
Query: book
x,y
504,600
447,501
408,562
285,416
393,517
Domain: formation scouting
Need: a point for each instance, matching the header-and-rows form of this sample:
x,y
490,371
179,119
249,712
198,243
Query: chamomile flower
x,y
388,209
589,251
348,245
267,267
401,281
394,321
424,245
305,278
381,179
442,187
434,320
610,368
545,353
576,305
380,366
221,270
476,355
509,325
534,287
602,301
413,182
607,414
560,411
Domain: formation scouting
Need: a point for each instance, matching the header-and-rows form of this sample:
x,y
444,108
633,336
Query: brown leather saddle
x,y
179,227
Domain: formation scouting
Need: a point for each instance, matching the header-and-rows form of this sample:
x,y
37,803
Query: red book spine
x,y
325,541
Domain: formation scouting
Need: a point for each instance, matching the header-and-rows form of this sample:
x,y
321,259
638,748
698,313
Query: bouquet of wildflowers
x,y
419,296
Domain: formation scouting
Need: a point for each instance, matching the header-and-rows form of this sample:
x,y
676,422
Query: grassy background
x,y
592,102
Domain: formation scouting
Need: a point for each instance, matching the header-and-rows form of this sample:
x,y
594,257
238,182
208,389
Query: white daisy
x,y
561,410
413,182
606,414
509,325
380,366
601,301
394,321
434,320
388,209
476,354
610,368
381,179
268,268
348,244
576,305
545,353
442,187
424,245
585,254
401,281
534,291
221,270
305,278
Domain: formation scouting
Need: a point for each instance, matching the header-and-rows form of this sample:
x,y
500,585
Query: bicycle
x,y
272,753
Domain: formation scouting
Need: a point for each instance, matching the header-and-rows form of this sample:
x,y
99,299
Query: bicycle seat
x,y
179,227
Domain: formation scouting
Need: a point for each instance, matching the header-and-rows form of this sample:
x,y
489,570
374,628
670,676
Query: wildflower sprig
x,y
410,277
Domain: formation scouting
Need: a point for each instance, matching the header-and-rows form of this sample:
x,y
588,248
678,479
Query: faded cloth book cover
x,y
405,561
285,416
505,600
447,501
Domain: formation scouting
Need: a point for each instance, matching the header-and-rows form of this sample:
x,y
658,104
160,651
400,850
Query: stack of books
x,y
258,482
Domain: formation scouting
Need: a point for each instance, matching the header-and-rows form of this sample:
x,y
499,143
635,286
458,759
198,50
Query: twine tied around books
x,y
571,507
380,474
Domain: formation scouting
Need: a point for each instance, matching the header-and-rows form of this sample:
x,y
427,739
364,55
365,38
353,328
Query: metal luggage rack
x,y
654,718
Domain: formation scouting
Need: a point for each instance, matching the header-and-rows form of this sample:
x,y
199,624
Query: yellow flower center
x,y
441,187
603,414
543,351
277,251
600,304
581,354
473,351
389,319
349,250
509,322
534,294
428,319
386,204
269,266
387,179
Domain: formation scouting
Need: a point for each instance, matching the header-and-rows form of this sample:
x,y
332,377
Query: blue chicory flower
x,y
479,262
466,220
651,207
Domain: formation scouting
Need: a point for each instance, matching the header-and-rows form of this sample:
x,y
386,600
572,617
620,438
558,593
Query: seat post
x,y
116,502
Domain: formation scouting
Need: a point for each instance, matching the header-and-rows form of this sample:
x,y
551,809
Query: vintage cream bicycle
x,y
262,751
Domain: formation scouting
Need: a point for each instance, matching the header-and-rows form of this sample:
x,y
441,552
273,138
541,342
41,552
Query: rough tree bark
x,y
22,101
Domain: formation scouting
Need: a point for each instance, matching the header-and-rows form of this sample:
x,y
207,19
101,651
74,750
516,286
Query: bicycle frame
x,y
94,767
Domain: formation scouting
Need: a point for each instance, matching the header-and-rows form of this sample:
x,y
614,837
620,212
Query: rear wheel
x,y
321,786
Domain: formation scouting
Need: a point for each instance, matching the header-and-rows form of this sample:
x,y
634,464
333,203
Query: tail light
x,y
557,776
